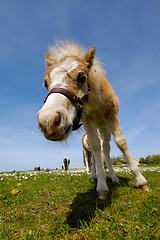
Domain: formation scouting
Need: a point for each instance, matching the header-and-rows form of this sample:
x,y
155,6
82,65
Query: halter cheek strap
x,y
78,102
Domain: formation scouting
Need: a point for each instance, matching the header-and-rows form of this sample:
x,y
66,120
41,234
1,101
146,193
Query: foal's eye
x,y
82,77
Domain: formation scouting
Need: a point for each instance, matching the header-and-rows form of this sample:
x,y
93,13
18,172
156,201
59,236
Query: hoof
x,y
92,179
102,195
145,187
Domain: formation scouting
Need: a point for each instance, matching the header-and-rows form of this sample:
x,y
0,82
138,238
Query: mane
x,y
69,48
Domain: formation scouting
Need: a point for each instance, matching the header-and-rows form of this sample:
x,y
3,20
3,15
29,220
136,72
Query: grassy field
x,y
58,205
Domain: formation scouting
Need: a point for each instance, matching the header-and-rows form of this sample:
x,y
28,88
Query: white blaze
x,y
56,101
59,72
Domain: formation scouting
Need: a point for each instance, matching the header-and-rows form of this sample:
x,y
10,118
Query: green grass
x,y
65,206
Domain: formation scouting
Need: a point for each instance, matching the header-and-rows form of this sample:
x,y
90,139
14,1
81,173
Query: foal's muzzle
x,y
53,128
78,102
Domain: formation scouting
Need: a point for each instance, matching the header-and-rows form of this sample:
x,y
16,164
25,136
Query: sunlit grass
x,y
59,205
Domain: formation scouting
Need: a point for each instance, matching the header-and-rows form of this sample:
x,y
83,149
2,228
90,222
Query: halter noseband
x,y
78,102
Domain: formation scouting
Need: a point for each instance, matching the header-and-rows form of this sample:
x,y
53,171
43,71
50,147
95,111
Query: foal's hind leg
x,y
106,149
122,144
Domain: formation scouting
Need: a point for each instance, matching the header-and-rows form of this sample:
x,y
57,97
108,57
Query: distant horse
x,y
78,90
66,162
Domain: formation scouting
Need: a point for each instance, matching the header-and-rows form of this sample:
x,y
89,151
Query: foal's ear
x,y
89,57
49,59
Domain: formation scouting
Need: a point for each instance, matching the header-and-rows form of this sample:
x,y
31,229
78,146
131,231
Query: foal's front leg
x,y
91,130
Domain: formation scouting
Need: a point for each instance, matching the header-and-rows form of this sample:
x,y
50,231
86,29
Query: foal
x,y
78,89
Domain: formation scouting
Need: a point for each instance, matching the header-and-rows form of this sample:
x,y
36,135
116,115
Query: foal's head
x,y
58,114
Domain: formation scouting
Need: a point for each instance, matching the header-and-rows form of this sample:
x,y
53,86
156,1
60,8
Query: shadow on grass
x,y
85,204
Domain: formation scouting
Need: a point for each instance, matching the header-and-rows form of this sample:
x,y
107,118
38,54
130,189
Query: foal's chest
x,y
97,115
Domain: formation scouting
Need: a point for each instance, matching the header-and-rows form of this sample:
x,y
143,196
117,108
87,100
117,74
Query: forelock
x,y
63,49
67,48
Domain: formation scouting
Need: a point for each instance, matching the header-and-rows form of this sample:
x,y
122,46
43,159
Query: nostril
x,y
44,130
41,127
58,119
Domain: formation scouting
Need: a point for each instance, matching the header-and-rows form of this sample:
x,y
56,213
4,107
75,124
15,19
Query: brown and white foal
x,y
78,89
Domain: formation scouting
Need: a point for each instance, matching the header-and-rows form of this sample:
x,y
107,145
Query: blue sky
x,y
127,38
